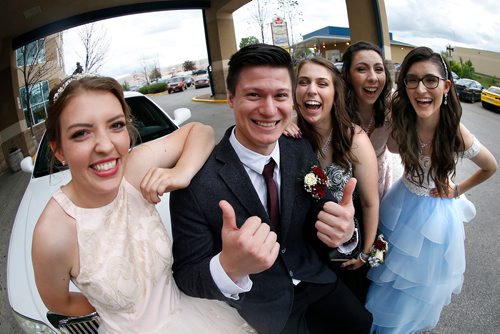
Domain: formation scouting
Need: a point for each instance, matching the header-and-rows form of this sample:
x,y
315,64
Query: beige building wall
x,y
399,52
14,131
484,62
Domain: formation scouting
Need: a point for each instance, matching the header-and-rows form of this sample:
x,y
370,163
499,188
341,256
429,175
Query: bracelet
x,y
457,190
363,257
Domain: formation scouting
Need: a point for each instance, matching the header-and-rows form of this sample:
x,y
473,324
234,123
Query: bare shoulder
x,y
55,232
360,139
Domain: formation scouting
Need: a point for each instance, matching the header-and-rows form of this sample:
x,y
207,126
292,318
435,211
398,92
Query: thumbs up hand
x,y
335,224
247,250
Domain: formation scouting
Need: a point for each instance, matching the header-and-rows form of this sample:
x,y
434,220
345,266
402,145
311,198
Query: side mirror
x,y
27,165
181,115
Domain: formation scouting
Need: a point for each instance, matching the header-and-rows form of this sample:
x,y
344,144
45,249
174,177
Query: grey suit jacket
x,y
197,222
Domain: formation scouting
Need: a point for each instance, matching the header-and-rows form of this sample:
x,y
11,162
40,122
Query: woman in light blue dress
x,y
422,215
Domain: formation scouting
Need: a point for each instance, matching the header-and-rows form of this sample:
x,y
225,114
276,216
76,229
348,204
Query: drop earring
x,y
445,98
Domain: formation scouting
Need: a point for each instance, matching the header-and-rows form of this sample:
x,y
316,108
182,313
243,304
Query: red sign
x,y
278,20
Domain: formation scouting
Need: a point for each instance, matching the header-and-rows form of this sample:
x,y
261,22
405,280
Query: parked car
x,y
188,80
469,90
490,98
455,76
202,81
28,309
199,72
176,84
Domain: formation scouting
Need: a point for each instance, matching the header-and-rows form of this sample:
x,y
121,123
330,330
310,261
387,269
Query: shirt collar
x,y
253,160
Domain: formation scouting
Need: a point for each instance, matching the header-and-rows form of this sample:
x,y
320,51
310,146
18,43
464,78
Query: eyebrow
x,y
90,125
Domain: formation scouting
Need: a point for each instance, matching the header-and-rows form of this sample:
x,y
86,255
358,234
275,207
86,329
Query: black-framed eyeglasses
x,y
430,81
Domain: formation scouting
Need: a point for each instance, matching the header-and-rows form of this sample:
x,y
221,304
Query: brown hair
x,y
342,126
71,87
382,103
447,143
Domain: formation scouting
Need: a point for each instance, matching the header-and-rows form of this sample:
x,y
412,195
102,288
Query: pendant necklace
x,y
422,144
368,128
324,148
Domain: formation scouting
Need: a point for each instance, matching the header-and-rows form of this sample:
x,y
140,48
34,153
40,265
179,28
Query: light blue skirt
x,y
425,262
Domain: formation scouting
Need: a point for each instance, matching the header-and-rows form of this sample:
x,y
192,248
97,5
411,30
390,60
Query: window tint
x,y
149,120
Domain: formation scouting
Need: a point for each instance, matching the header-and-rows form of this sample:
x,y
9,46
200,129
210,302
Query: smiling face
x,y
94,144
367,75
427,101
315,94
262,104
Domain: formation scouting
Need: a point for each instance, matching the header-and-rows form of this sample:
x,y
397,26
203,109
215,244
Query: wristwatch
x,y
363,257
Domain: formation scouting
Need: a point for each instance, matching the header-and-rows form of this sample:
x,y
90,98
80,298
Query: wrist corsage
x,y
377,252
316,182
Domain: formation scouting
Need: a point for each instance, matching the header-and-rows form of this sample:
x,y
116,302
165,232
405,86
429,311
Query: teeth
x,y
312,103
424,100
372,90
105,166
266,124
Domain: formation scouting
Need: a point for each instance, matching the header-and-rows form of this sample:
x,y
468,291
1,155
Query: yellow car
x,y
490,98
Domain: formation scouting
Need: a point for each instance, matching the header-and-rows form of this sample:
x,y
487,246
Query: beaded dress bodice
x,y
425,163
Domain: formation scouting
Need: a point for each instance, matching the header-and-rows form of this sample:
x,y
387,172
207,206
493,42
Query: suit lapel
x,y
236,179
289,178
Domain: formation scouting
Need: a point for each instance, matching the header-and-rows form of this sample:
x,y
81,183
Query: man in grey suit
x,y
234,242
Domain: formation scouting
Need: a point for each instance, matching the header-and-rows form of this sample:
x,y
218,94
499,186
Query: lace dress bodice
x,y
425,163
125,261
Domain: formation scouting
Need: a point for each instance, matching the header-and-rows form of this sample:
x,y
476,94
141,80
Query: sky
x,y
172,37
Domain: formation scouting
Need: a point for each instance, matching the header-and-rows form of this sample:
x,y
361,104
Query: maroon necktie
x,y
273,207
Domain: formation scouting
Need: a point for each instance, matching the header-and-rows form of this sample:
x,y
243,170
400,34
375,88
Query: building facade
x,y
484,62
41,65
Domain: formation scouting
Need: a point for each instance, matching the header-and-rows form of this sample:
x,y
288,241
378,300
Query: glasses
x,y
430,81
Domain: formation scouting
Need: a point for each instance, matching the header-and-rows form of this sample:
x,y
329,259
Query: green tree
x,y
125,85
188,65
155,74
248,41
463,69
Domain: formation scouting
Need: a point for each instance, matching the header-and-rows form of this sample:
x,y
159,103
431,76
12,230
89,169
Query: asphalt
x,y
12,186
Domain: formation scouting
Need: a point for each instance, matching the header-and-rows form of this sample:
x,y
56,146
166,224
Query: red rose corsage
x,y
316,182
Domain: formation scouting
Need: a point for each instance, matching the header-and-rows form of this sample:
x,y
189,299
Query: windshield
x,y
494,90
150,121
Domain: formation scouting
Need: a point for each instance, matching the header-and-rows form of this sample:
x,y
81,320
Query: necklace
x,y
368,128
422,144
324,148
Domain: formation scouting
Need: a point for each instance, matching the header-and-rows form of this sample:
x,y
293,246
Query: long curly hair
x,y
382,103
343,129
447,143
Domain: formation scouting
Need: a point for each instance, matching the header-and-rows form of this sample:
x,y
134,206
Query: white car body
x,y
24,299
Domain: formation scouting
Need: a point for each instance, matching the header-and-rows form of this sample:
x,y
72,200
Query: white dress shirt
x,y
254,165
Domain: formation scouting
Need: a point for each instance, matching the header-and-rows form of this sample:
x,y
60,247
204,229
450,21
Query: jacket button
x,y
283,251
291,273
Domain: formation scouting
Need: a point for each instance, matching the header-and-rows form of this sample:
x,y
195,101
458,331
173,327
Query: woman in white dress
x,y
102,230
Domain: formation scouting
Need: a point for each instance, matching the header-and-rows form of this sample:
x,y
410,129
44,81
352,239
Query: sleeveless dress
x,y
425,261
125,271
355,280
379,137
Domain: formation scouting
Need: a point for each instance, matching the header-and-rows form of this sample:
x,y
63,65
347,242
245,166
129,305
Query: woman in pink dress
x,y
368,92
